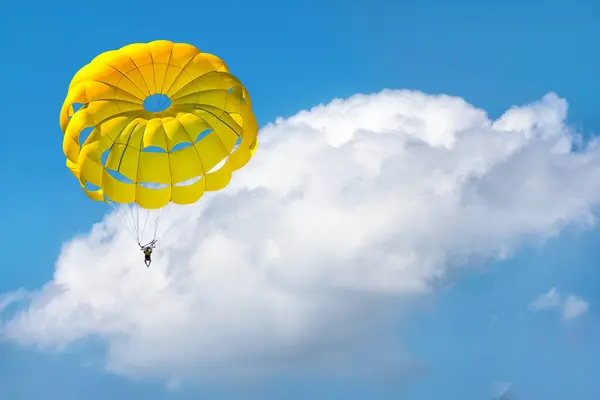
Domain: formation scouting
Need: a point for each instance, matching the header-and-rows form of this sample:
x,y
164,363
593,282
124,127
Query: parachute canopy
x,y
156,123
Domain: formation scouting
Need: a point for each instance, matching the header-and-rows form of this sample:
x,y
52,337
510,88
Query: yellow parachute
x,y
124,151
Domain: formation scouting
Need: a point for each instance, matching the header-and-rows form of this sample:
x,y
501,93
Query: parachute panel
x,y
116,190
154,168
152,198
188,194
185,165
218,179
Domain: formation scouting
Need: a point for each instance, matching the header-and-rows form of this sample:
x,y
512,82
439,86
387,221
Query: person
x,y
147,250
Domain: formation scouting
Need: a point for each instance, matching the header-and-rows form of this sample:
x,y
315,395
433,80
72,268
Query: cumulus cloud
x,y
348,213
570,306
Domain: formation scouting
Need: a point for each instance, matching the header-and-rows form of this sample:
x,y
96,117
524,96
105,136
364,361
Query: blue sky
x,y
292,56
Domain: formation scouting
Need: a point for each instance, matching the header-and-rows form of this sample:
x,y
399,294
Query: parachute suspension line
x,y
137,222
164,219
128,221
134,225
131,220
160,222
142,236
156,224
145,221
125,221
188,212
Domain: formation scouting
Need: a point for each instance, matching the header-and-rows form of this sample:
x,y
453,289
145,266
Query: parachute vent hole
x,y
189,182
181,146
85,134
218,166
202,135
153,149
91,187
119,176
153,185
157,103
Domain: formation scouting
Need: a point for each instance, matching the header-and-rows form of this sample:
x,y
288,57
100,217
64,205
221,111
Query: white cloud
x,y
347,213
547,301
570,306
502,390
574,307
